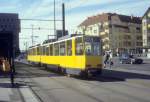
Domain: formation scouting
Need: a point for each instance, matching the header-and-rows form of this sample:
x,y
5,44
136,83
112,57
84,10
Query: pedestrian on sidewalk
x,y
106,59
110,59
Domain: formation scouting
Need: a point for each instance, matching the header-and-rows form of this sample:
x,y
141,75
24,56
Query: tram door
x,y
79,51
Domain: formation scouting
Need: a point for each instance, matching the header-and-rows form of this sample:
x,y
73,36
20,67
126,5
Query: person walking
x,y
106,59
110,59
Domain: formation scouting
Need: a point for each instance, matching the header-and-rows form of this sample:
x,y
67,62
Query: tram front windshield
x,y
92,46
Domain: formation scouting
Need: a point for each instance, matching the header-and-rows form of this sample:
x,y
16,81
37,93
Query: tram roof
x,y
64,38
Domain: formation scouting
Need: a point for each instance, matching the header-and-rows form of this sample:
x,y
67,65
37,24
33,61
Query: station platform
x,y
19,93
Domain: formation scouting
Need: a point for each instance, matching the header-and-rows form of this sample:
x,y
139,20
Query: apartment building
x,y
146,30
119,33
10,23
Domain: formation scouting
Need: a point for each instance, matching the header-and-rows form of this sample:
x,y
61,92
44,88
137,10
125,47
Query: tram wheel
x,y
99,72
84,74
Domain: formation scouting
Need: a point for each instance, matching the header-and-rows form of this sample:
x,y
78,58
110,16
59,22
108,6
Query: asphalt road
x,y
138,67
114,85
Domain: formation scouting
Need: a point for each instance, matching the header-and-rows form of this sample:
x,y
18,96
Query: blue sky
x,y
76,12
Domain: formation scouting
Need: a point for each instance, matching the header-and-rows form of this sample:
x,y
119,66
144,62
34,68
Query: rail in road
x,y
102,83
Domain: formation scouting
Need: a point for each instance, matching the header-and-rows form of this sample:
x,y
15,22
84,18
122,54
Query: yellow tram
x,y
78,54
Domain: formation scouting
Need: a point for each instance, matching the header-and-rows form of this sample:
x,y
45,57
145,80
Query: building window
x,y
148,39
138,30
12,19
95,31
126,37
144,41
139,43
144,23
149,15
139,37
7,19
145,32
90,28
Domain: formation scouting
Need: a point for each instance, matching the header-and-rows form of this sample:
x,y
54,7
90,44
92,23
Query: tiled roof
x,y
107,16
131,19
95,19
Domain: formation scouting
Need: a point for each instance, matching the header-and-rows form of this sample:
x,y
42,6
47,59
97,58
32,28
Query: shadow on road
x,y
107,75
9,85
115,76
124,75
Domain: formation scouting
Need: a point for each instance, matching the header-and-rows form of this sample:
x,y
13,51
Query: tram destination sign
x,y
92,39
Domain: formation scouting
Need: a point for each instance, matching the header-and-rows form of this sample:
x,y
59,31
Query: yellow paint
x,y
74,62
93,61
34,58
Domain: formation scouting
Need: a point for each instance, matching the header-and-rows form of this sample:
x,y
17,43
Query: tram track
x,y
103,79
28,80
116,91
67,86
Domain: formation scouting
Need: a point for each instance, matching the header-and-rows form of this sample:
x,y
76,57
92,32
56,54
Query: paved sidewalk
x,y
19,93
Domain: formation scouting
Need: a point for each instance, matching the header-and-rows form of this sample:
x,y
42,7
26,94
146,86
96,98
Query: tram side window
x,y
79,46
47,51
31,51
69,47
56,49
28,52
44,50
38,50
51,49
41,50
35,51
62,49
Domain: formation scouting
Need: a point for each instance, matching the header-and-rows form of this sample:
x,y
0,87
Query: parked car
x,y
130,59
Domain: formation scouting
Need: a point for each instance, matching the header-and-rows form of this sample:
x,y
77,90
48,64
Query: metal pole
x,y
32,35
12,62
54,21
63,17
26,46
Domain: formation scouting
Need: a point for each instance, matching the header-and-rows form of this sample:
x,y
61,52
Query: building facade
x,y
146,30
9,22
119,33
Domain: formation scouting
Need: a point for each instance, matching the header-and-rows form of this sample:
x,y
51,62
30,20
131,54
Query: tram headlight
x,y
88,66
